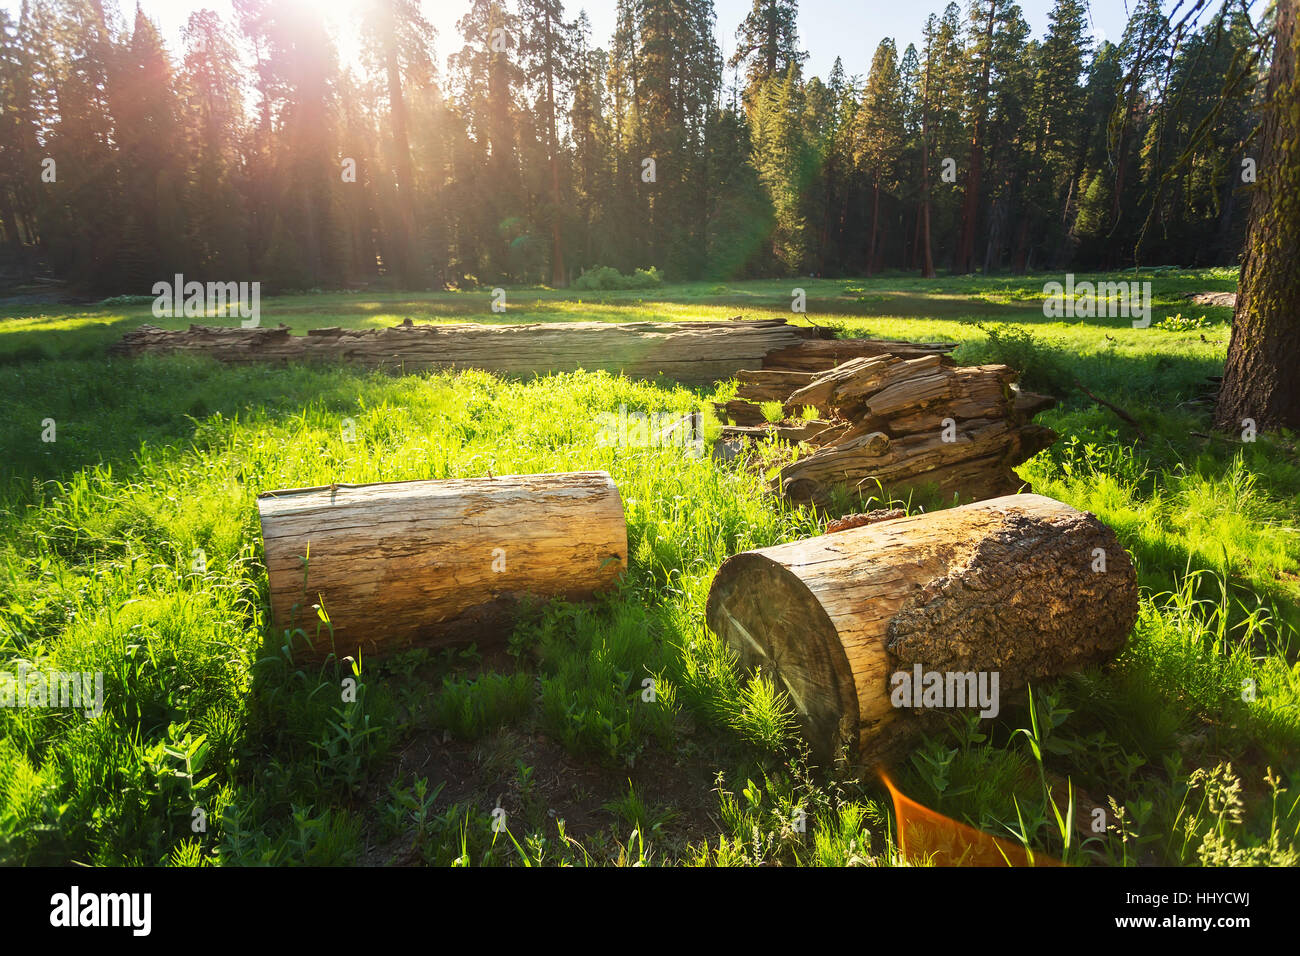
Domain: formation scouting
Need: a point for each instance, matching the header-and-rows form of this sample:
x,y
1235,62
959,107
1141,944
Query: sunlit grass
x,y
161,458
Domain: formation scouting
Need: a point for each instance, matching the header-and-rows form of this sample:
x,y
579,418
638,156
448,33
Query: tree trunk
x,y
432,563
875,219
405,266
927,255
970,207
1013,587
1260,380
558,278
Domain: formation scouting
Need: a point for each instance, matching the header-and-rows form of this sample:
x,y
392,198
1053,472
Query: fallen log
x,y
770,385
819,354
433,563
740,412
1022,587
692,353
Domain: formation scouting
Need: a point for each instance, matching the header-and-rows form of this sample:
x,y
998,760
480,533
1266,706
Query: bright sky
x,y
850,29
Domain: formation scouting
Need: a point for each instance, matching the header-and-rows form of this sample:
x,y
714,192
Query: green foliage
x,y
601,278
471,708
1040,366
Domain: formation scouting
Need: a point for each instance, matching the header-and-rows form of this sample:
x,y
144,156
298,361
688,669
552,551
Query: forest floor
x,y
217,746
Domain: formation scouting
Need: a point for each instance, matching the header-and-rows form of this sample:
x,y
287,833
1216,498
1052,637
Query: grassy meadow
x,y
218,746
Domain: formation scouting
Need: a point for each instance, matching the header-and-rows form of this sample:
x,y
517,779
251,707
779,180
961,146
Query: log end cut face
x,y
778,628
1018,588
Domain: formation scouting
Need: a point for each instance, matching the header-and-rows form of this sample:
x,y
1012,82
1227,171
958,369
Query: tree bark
x,y
1010,586
1259,380
432,563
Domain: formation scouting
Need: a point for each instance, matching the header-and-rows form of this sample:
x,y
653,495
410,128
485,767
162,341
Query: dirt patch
x,y
1228,299
486,774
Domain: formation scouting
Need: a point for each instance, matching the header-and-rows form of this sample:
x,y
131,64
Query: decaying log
x,y
806,431
898,423
692,353
1022,586
431,563
819,354
740,412
770,385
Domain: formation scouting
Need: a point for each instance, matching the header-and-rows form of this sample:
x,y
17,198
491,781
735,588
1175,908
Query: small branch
x,y
1114,408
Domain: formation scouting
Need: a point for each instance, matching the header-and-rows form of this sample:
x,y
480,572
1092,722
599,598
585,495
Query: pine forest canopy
x,y
539,150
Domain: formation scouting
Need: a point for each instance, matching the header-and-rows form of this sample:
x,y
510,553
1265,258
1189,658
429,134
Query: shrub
x,y
604,278
1040,366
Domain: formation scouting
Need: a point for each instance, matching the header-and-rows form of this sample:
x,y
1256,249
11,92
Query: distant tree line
x,y
536,152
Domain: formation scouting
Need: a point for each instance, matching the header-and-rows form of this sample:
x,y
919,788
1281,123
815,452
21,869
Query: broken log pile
x,y
901,422
692,353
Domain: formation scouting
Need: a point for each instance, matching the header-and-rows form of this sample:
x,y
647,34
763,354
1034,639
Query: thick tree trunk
x,y
405,265
927,253
431,563
1022,586
1260,381
559,279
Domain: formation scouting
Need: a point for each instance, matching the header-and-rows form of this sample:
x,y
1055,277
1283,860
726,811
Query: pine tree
x,y
767,43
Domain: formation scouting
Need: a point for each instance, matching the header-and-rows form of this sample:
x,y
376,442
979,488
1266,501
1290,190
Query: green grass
x,y
620,731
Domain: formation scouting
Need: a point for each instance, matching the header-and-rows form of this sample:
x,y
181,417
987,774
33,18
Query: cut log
x,y
1022,586
433,563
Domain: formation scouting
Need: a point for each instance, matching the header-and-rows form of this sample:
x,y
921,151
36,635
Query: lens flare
x,y
930,837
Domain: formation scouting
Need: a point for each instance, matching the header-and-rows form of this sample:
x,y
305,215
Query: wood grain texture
x,y
897,423
431,563
915,423
1004,585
